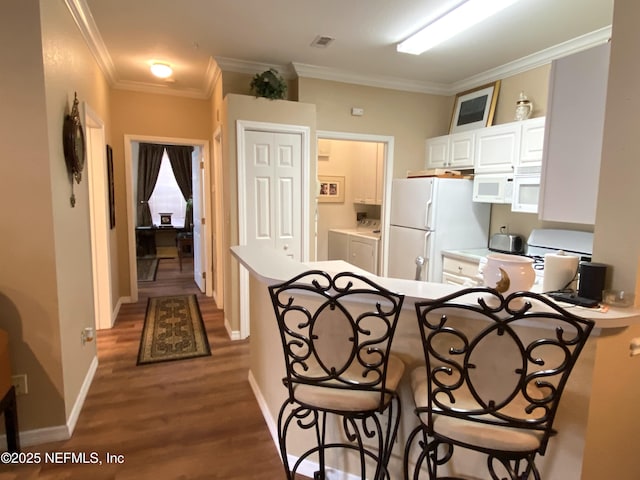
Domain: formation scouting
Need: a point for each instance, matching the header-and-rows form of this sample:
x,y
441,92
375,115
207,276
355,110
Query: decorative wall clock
x,y
74,145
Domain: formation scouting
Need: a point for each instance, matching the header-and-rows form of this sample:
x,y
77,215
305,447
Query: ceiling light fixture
x,y
452,23
161,70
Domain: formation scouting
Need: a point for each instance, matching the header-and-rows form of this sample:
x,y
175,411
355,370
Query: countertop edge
x,y
272,266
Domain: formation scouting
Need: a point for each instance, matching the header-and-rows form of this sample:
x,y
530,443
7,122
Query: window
x,y
166,196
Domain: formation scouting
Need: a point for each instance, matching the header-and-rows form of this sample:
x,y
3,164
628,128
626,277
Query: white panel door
x,y
199,229
288,194
273,191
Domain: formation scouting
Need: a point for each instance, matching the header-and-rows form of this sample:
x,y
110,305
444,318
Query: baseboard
x,y
264,408
307,467
233,334
82,395
116,310
60,433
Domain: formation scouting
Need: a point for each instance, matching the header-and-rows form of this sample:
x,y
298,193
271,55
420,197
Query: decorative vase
x,y
524,107
508,273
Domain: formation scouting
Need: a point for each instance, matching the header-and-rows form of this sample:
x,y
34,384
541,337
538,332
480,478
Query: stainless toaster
x,y
507,243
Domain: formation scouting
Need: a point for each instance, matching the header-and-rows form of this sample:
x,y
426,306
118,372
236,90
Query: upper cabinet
x,y
368,187
497,148
532,142
573,136
451,151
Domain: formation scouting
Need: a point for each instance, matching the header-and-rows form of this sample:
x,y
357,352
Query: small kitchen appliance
x,y
506,243
572,242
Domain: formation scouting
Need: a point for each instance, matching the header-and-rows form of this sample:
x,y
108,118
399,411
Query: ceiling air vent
x,y
322,41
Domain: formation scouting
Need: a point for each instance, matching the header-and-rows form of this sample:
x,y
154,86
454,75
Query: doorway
x,y
99,219
273,194
352,207
201,195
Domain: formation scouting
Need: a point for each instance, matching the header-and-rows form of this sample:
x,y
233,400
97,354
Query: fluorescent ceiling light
x,y
161,70
452,23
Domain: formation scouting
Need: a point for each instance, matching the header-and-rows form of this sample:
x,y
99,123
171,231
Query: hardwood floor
x,y
187,419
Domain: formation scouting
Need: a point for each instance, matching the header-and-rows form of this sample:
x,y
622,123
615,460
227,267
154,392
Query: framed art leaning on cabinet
x,y
475,108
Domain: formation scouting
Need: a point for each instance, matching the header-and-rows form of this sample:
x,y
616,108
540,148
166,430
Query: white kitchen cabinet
x,y
497,148
531,142
368,176
461,272
437,151
461,150
573,136
451,151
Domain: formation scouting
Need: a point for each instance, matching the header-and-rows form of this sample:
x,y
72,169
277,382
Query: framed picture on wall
x,y
112,201
475,108
331,189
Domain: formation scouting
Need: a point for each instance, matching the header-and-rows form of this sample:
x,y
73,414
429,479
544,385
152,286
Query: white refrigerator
x,y
429,215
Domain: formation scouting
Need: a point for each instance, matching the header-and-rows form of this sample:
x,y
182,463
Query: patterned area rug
x,y
147,269
173,330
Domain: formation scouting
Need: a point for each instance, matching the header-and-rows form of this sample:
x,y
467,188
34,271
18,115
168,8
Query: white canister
x,y
560,271
508,273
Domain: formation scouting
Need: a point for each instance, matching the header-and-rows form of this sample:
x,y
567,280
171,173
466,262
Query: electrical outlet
x,y
20,382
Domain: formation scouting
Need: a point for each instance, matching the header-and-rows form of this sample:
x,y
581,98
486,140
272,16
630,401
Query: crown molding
x,y
84,20
211,77
243,66
538,59
393,83
168,89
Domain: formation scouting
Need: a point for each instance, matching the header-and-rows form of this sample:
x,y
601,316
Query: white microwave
x,y
493,187
526,189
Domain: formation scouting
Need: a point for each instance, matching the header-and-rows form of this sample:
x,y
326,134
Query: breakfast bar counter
x,y
597,419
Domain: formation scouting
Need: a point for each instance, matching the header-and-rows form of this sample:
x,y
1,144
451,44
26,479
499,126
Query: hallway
x,y
189,419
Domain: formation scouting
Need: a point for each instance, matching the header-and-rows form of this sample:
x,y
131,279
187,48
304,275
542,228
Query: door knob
x,y
286,247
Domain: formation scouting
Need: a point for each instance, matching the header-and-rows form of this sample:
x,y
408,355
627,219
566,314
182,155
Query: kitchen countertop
x,y
272,266
358,232
471,254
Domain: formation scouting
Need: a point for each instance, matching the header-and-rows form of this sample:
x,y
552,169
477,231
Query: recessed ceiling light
x,y
161,70
457,20
322,41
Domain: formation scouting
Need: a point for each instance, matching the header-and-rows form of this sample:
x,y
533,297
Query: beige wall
x,y
144,114
410,118
617,231
28,312
534,83
46,297
70,67
244,107
610,453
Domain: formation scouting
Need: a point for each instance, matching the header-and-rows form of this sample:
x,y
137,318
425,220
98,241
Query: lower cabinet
x,y
359,250
461,272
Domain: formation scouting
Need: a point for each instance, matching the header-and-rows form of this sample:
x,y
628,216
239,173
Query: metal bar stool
x,y
495,369
341,378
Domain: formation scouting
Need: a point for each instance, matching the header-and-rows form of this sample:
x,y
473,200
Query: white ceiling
x,y
251,35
